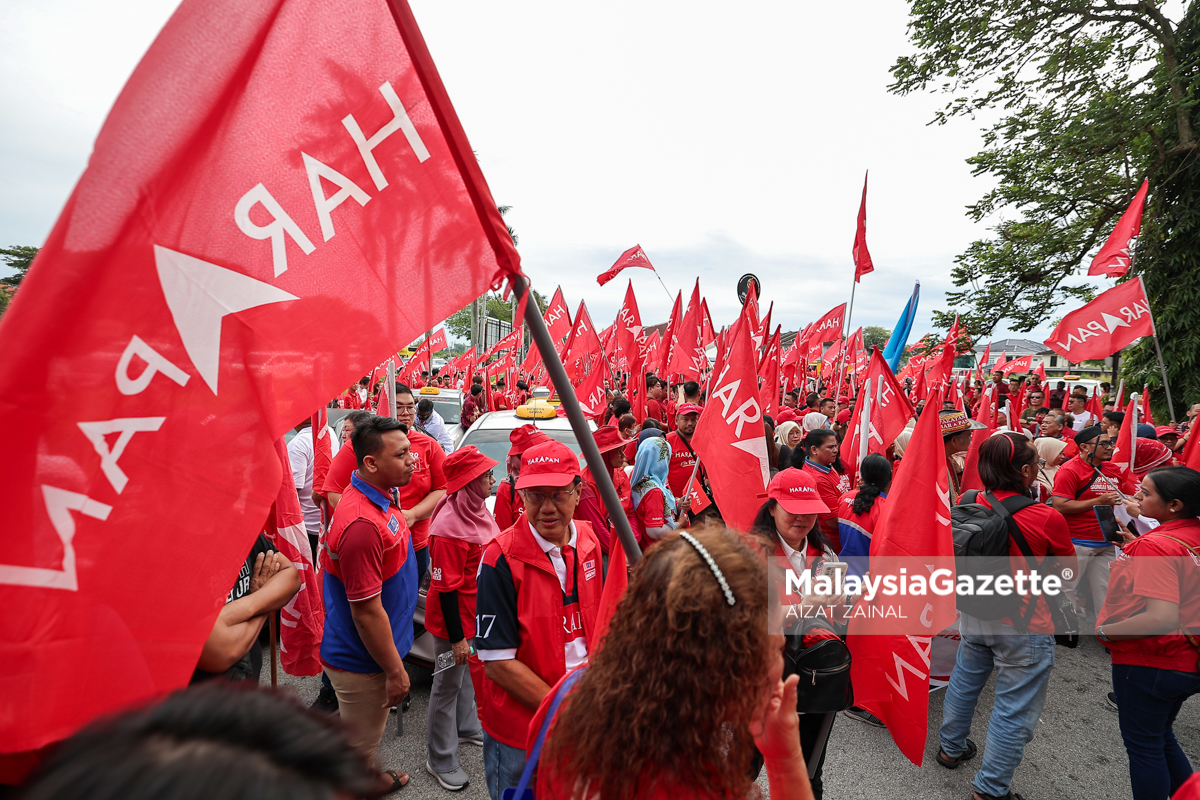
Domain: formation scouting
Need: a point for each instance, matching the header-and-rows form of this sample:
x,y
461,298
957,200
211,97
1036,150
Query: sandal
x,y
399,780
952,763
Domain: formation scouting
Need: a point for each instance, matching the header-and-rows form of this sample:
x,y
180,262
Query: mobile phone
x,y
1108,523
830,567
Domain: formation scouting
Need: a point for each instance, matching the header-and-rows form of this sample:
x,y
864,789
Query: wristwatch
x,y
1100,634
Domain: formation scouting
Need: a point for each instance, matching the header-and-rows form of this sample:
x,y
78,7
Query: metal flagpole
x,y
846,341
665,289
1163,369
570,404
1158,350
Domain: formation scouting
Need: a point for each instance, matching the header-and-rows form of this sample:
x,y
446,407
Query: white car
x,y
448,404
490,434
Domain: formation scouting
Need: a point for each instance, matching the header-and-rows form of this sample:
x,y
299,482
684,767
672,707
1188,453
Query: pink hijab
x,y
464,516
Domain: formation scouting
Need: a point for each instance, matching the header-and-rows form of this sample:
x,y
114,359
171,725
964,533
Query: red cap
x,y
550,463
796,491
609,438
688,408
1165,430
525,437
843,416
786,414
465,465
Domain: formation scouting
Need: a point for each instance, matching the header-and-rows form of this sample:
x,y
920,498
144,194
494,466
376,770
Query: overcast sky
x,y
723,139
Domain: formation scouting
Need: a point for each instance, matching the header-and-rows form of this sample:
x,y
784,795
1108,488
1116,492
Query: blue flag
x,y
899,339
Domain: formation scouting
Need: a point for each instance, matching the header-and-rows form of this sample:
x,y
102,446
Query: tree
x,y
17,257
1096,96
873,335
459,323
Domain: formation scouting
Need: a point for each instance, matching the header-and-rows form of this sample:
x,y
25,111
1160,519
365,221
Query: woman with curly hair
x,y
656,512
661,712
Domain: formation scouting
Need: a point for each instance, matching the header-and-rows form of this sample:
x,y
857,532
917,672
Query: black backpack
x,y
981,538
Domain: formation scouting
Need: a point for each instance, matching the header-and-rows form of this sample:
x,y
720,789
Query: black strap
x,y
1007,508
1088,485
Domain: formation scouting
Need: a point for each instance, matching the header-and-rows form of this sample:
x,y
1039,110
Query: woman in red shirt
x,y
459,529
656,511
1149,623
1021,652
647,718
817,455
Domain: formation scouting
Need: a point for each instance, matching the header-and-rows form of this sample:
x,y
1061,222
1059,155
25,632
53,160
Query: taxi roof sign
x,y
537,409
430,390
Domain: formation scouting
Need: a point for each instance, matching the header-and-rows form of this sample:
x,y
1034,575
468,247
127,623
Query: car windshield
x,y
494,444
448,410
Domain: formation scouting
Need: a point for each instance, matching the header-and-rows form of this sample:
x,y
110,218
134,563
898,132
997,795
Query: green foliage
x,y
17,257
874,335
458,324
1096,96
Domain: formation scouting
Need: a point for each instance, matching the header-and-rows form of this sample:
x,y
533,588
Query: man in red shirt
x,y
508,501
655,394
472,406
370,589
1057,395
538,596
1080,485
499,397
683,457
420,494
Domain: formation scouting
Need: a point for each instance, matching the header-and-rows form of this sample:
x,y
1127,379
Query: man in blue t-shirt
x,y
370,588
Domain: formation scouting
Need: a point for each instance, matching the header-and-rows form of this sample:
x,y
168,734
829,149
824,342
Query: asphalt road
x,y
1076,753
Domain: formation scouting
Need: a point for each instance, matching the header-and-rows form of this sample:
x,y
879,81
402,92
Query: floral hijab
x,y
650,469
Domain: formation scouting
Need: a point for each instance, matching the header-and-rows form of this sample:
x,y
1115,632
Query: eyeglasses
x,y
537,498
405,406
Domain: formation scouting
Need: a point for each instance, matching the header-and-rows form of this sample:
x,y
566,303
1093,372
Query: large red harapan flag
x,y
1102,327
280,198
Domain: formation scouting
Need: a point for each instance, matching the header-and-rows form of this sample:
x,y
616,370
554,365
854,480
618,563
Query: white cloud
x,y
723,139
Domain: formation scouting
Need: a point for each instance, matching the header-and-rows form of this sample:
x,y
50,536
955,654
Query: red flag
x,y
890,669
630,335
510,341
768,370
708,334
1114,259
1105,325
633,257
668,337
583,352
1147,414
729,438
1041,372
984,360
218,273
687,356
764,330
829,327
558,317
322,454
615,584
1022,364
862,258
890,412
303,619
1126,446
750,307
1120,394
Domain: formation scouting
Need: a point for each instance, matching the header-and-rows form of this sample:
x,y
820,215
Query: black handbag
x,y
824,670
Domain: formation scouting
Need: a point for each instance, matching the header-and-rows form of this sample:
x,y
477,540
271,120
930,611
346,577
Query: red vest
x,y
391,527
543,624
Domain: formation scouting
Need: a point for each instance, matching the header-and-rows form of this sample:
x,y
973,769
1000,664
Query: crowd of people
x,y
540,669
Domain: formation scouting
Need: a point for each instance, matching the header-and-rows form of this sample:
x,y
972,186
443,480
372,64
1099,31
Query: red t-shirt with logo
x,y
1155,567
831,485
651,512
453,565
1073,476
682,464
655,410
428,476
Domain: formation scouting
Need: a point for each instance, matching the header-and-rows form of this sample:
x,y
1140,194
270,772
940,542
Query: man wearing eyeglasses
x,y
538,595
1081,486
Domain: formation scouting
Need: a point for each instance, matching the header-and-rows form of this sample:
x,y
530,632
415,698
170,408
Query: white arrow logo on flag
x,y
199,295
1113,322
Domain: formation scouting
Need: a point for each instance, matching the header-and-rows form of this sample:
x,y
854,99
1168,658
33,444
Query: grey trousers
x,y
452,712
